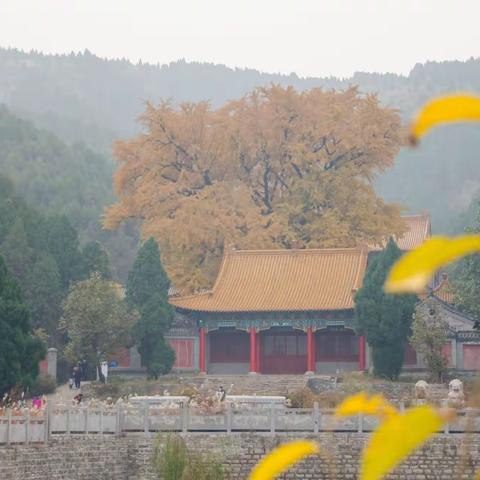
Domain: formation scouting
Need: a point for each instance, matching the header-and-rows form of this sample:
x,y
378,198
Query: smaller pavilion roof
x,y
443,290
418,230
282,280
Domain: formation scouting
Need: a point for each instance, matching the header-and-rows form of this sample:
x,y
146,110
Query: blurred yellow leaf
x,y
282,458
397,437
361,403
451,108
412,272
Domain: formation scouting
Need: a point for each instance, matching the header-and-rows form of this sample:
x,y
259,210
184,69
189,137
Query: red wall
x,y
183,348
471,357
43,367
122,356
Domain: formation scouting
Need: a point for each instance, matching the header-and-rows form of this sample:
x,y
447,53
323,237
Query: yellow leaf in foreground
x,y
361,403
451,108
282,458
396,438
412,272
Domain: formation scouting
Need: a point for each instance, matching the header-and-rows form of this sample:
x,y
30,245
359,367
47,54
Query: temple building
x,y
279,311
292,312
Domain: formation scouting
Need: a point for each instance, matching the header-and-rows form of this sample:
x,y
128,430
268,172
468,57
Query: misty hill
x,y
57,178
84,97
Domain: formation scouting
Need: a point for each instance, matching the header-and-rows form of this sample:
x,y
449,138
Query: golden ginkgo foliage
x,y
275,168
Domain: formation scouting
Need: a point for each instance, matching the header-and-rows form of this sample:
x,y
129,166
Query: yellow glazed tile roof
x,y
444,290
282,280
418,230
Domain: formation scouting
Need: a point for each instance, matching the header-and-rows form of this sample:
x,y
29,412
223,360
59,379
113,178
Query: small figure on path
x,y
78,398
77,375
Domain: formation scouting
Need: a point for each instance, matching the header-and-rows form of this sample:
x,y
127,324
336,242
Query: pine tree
x,y
384,319
95,259
43,295
147,291
23,246
20,351
63,244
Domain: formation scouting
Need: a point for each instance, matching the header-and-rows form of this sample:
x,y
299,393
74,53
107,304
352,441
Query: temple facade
x,y
291,312
278,311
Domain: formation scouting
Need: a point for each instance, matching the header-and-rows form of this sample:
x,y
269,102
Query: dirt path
x,y
64,394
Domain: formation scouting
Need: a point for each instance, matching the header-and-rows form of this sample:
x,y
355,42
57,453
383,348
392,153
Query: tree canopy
x,y
467,278
80,96
274,168
384,319
429,336
147,291
44,255
64,181
96,320
20,350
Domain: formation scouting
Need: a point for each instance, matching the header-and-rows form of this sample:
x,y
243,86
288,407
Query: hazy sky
x,y
309,37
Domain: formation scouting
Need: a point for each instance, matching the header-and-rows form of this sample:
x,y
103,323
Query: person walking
x,y
77,375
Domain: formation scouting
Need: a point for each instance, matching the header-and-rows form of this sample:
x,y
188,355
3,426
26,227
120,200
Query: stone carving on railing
x,y
456,397
422,393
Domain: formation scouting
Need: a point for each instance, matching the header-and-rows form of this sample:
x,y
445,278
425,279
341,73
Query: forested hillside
x,y
81,97
60,179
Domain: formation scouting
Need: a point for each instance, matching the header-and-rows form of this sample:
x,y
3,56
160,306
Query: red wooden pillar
x,y
202,351
361,353
310,351
257,355
253,345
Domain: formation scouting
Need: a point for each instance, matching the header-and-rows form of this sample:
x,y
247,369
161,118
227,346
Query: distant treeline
x,y
81,97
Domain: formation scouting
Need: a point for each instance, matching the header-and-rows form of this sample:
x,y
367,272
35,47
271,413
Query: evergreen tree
x,y
64,246
43,294
20,351
384,319
23,239
467,279
147,291
95,259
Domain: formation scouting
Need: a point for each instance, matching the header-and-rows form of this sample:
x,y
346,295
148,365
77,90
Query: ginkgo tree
x,y
275,168
399,433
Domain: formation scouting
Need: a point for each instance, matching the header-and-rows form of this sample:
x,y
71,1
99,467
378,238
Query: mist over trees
x,y
61,179
84,97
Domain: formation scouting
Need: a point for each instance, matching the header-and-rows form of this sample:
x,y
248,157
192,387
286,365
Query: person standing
x,y
77,375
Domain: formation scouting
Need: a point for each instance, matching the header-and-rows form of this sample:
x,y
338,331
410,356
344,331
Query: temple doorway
x,y
229,351
283,351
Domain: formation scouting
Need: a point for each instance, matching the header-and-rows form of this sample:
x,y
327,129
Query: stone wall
x,y
129,458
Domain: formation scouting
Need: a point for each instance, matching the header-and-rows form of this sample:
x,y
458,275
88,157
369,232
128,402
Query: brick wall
x,y
96,458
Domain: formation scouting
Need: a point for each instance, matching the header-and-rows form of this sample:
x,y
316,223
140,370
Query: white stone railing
x,y
26,427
